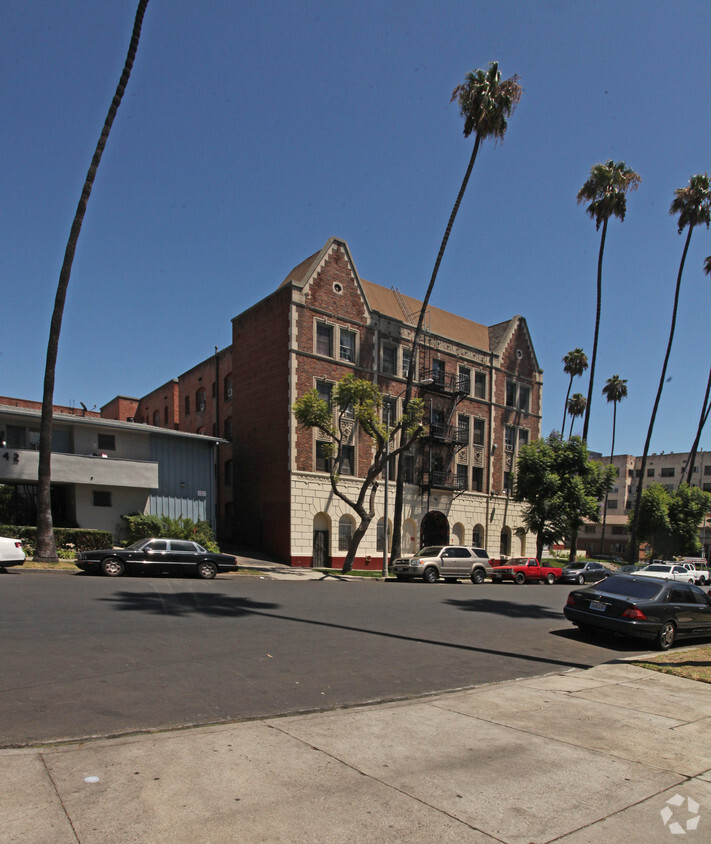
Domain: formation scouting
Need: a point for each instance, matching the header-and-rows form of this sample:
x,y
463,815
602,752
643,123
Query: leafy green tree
x,y
615,390
670,521
560,488
486,101
358,401
46,549
693,205
705,407
576,408
606,191
574,364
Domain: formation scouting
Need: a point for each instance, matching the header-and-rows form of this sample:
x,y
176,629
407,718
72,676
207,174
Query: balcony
x,y
22,465
442,480
438,381
449,434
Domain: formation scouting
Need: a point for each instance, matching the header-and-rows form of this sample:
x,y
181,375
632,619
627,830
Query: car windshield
x,y
631,588
430,551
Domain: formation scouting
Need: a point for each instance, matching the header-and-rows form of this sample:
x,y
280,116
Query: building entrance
x,y
434,529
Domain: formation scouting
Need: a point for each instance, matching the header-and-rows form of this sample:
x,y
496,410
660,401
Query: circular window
x,y
519,353
337,288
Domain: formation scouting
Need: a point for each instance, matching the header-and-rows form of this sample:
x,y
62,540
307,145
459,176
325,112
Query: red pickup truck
x,y
524,570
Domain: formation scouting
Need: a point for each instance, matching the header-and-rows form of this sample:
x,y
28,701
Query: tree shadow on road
x,y
509,609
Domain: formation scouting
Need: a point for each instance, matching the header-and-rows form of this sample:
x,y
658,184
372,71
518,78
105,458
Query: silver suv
x,y
452,562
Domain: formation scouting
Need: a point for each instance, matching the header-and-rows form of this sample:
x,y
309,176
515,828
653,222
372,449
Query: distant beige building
x,y
668,469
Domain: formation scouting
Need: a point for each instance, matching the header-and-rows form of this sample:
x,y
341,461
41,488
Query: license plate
x,y
597,605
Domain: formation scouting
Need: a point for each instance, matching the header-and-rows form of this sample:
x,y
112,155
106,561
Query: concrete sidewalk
x,y
614,753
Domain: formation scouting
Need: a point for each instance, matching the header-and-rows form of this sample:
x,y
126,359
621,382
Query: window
x,y
695,470
510,394
618,529
463,429
477,484
476,537
228,430
324,390
406,361
228,472
106,442
391,404
345,533
523,436
508,481
478,437
589,529
480,385
465,379
156,417
323,459
200,400
324,339
510,438
348,345
389,366
102,498
462,476
667,471
524,397
707,487
227,394
380,536
347,460
707,470
348,412
187,405
612,504
409,469
438,372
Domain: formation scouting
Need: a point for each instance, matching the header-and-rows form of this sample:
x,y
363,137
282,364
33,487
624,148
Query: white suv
x,y
452,562
667,571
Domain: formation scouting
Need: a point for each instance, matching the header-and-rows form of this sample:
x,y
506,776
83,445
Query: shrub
x,y
70,540
142,526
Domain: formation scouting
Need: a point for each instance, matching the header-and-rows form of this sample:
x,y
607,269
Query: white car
x,y
667,571
11,553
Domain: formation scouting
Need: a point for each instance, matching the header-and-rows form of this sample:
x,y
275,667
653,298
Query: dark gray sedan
x,y
584,572
156,556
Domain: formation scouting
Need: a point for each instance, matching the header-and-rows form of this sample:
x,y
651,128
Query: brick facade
x,y
481,387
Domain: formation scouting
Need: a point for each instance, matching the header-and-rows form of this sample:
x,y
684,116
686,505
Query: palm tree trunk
x,y
593,359
46,549
565,408
400,480
645,453
612,454
705,407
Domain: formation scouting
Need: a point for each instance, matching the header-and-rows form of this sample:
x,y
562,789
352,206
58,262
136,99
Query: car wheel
x,y
580,579
520,577
477,576
206,570
112,567
550,579
430,575
665,636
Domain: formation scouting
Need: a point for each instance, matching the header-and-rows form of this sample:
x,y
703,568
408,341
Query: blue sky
x,y
252,132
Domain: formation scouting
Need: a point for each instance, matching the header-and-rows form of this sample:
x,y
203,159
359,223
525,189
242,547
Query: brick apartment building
x,y
481,386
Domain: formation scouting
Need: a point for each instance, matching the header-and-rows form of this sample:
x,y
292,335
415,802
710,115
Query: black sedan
x,y
157,555
584,572
646,607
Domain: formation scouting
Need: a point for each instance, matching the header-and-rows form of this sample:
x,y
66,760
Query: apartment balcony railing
x,y
442,480
438,381
450,434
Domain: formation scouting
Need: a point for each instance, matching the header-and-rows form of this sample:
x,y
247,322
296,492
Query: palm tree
x,y
485,102
693,205
705,407
46,549
615,390
576,407
575,363
606,191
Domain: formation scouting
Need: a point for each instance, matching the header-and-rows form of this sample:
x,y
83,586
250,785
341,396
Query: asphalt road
x,y
86,656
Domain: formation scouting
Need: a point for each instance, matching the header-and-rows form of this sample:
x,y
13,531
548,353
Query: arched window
x,y
478,536
200,400
227,387
346,526
505,542
458,533
156,417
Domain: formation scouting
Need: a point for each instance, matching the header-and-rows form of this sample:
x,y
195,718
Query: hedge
x,y
80,538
